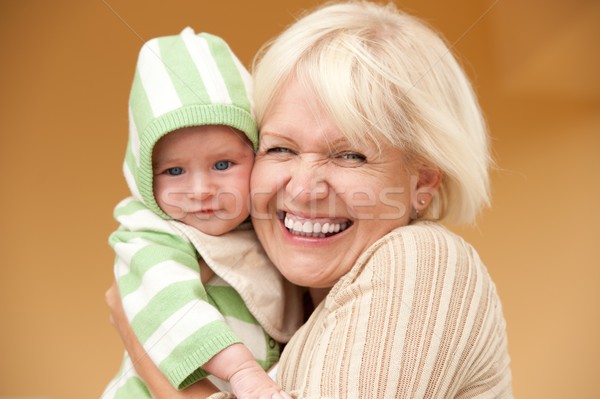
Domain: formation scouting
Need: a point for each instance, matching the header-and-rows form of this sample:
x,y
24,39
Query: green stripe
x,y
130,161
163,305
182,70
229,303
197,375
170,241
142,116
129,208
181,366
140,105
272,353
226,64
148,257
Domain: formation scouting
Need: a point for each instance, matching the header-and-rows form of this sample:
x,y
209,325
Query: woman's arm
x,y
159,386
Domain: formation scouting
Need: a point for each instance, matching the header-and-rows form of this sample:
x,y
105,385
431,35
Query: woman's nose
x,y
307,182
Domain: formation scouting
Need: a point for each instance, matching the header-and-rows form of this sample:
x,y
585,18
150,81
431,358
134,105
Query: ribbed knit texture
x,y
180,322
417,317
181,81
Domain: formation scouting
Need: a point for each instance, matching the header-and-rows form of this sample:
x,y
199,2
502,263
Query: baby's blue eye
x,y
176,171
222,165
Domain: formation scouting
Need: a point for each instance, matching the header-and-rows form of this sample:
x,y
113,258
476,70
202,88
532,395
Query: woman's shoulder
x,y
426,232
423,238
426,248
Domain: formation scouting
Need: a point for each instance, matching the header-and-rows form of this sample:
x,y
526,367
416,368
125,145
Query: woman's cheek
x,y
261,190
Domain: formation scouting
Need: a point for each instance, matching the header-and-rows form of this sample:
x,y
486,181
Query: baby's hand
x,y
252,382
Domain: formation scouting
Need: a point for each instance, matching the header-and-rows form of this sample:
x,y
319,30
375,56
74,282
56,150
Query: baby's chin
x,y
213,223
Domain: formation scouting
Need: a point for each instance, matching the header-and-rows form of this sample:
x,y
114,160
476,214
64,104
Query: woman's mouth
x,y
318,227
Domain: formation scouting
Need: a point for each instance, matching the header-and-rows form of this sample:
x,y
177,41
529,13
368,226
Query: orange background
x,y
66,69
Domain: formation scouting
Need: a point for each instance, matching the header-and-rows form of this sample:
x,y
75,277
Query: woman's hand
x,y
157,383
117,314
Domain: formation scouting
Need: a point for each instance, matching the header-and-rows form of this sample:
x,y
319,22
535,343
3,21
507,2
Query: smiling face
x,y
202,177
319,201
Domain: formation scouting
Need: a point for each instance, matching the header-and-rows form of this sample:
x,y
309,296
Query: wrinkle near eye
x,y
316,159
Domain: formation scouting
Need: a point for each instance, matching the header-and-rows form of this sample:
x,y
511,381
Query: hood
x,y
181,81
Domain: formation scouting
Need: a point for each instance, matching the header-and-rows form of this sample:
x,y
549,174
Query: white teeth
x,y
317,227
297,226
308,228
288,223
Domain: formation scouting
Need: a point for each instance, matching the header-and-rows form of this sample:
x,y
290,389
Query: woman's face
x,y
318,201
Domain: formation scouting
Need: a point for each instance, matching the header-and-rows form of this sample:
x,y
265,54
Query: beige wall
x,y
66,69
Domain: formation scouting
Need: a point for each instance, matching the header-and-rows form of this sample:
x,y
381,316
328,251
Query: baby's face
x,y
202,177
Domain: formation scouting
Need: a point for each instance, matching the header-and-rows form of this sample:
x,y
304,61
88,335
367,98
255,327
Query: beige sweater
x,y
417,317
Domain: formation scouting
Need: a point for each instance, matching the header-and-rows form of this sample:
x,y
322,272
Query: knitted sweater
x,y
180,321
416,317
180,81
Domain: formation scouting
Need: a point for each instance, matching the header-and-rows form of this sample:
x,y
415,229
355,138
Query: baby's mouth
x,y
318,227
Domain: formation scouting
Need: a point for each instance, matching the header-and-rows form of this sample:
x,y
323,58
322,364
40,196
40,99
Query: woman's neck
x,y
318,294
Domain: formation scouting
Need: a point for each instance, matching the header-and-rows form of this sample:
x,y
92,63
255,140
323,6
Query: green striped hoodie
x,y
180,81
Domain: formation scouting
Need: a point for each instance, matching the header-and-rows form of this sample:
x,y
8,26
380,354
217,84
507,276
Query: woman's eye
x,y
176,171
278,150
222,165
353,156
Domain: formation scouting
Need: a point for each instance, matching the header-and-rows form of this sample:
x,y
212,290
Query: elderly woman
x,y
370,137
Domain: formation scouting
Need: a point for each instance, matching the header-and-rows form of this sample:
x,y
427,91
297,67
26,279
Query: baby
x,y
185,232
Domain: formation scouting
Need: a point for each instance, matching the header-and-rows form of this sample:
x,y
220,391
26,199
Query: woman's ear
x,y
426,188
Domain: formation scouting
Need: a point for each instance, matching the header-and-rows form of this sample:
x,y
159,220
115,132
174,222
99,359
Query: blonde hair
x,y
383,75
